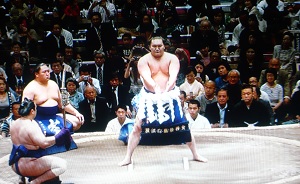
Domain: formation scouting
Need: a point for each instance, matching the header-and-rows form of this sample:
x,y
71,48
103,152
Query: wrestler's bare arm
x,y
145,73
173,72
38,138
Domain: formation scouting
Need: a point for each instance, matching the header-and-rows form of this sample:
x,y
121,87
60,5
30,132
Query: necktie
x,y
114,99
100,75
20,82
58,79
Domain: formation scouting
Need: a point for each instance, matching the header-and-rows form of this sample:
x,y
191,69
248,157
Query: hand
x,y
80,117
215,125
63,138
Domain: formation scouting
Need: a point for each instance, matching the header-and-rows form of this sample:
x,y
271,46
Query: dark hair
x,y
95,14
127,35
288,34
183,93
16,43
121,106
194,102
57,61
6,84
222,89
56,21
71,79
219,11
38,67
84,68
257,90
16,103
26,107
247,86
190,69
272,71
225,64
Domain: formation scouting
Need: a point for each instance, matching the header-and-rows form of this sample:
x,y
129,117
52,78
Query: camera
x,y
85,78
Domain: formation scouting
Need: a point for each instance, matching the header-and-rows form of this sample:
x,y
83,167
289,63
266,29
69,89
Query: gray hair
x,y
2,71
234,71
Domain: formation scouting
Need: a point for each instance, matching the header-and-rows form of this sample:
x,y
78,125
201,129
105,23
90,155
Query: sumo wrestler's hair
x,y
26,107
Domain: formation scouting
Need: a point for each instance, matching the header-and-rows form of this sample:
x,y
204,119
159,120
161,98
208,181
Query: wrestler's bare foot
x,y
125,162
200,158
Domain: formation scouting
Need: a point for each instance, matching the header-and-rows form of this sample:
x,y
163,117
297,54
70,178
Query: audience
x,y
114,126
95,111
196,121
15,115
85,79
208,96
75,96
249,112
219,113
57,73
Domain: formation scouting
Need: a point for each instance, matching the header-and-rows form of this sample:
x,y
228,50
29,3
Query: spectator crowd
x,y
225,78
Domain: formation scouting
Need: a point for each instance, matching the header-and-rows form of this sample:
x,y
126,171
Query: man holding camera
x,y
85,79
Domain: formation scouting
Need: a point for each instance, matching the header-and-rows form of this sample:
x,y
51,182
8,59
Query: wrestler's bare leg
x,y
133,141
192,146
73,119
44,168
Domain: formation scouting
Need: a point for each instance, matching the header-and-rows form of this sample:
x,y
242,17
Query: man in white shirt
x,y
115,125
196,121
85,79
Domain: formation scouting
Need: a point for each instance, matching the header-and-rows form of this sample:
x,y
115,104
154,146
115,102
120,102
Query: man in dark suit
x,y
219,113
54,42
249,112
57,73
116,94
95,111
94,36
18,79
203,36
101,70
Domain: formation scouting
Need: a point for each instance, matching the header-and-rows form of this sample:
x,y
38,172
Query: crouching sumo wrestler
x,y
160,119
28,157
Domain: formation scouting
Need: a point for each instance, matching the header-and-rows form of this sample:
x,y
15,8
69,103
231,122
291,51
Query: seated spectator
x,y
295,113
196,121
116,94
15,115
94,110
132,12
94,37
236,9
4,76
250,64
183,101
85,79
126,46
250,6
26,36
18,9
208,96
71,15
166,15
101,70
183,61
198,12
211,70
249,112
218,25
54,42
70,60
286,53
17,56
191,86
108,13
114,126
18,79
200,76
282,76
75,96
274,91
223,70
57,73
284,112
233,87
219,113
203,36
6,99
257,96
131,72
263,95
35,17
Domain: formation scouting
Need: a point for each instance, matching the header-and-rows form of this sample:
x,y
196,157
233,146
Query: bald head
x,y
274,63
